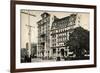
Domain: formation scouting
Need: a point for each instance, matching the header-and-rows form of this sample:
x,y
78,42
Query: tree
x,y
79,42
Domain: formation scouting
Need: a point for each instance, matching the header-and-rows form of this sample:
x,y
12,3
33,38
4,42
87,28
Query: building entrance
x,y
62,52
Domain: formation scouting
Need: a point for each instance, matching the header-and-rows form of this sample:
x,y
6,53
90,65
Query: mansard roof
x,y
62,22
42,15
45,13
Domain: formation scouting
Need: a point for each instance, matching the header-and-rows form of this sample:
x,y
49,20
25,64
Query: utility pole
x,y
29,33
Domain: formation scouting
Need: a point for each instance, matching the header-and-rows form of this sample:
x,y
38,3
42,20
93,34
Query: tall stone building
x,y
60,31
43,50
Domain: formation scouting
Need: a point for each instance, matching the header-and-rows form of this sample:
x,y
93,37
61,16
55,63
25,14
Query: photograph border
x,y
13,35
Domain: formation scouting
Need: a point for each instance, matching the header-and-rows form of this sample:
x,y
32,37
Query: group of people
x,y
27,58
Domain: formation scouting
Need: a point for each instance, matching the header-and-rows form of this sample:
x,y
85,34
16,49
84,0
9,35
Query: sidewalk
x,y
41,60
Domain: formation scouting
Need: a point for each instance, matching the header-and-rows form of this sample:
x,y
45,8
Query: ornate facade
x,y
60,31
51,39
43,50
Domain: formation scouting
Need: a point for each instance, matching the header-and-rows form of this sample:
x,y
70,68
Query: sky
x,y
34,19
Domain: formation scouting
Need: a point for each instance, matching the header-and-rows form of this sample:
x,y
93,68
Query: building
x,y
43,50
33,49
60,31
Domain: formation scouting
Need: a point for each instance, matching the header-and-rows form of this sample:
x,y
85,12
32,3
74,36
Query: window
x,y
55,44
54,51
48,52
52,40
55,40
53,36
62,38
